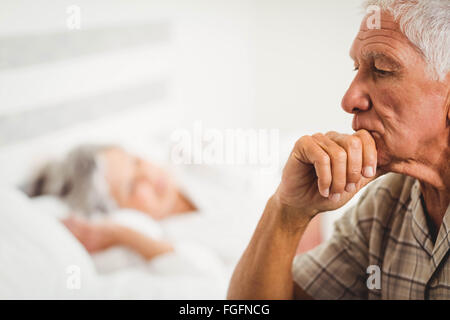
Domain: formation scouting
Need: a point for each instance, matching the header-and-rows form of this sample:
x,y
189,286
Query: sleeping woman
x,y
97,180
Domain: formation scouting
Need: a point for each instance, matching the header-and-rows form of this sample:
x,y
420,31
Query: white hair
x,y
426,23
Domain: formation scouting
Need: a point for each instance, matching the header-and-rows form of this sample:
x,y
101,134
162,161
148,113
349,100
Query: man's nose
x,y
356,99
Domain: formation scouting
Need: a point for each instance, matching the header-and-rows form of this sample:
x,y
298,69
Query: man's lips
x,y
356,126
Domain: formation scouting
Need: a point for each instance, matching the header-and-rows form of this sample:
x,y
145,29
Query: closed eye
x,y
381,72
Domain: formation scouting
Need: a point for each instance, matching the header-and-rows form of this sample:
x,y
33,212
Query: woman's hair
x,y
426,23
79,180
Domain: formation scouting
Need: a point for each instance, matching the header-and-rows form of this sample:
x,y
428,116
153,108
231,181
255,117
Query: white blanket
x,y
39,258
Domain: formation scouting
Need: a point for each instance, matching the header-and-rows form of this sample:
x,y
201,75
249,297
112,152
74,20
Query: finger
x,y
364,181
338,158
353,146
311,152
369,162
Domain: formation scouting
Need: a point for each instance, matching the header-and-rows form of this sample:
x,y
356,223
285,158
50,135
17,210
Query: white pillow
x,y
39,257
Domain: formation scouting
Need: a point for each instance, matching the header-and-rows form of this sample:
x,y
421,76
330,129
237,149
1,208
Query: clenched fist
x,y
324,171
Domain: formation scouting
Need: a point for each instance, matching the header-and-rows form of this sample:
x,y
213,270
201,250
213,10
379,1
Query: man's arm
x,y
265,269
322,173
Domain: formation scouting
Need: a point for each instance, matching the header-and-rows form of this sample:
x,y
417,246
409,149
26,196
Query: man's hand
x,y
324,172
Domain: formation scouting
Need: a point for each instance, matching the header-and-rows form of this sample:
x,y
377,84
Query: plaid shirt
x,y
387,229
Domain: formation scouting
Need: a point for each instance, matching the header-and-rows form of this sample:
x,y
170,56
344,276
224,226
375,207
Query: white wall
x,y
266,63
210,42
302,62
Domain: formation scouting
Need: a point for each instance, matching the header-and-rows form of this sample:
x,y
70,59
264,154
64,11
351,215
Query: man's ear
x,y
448,111
447,80
448,108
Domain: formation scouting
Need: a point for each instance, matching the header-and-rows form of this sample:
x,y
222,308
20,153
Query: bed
x,y
103,84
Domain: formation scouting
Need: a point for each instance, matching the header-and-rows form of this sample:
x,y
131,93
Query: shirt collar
x,y
437,250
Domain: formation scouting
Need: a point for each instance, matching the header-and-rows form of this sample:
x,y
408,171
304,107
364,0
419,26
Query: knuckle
x,y
340,156
323,159
305,138
318,135
364,135
302,140
354,142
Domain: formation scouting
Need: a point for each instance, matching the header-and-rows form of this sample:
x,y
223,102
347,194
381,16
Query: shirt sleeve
x,y
336,269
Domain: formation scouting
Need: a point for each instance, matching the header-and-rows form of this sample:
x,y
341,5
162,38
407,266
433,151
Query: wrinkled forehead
x,y
381,30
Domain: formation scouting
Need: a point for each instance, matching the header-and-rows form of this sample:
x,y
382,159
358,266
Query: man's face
x,y
138,184
394,98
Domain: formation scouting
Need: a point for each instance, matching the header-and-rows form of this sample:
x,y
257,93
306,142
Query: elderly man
x,y
395,243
